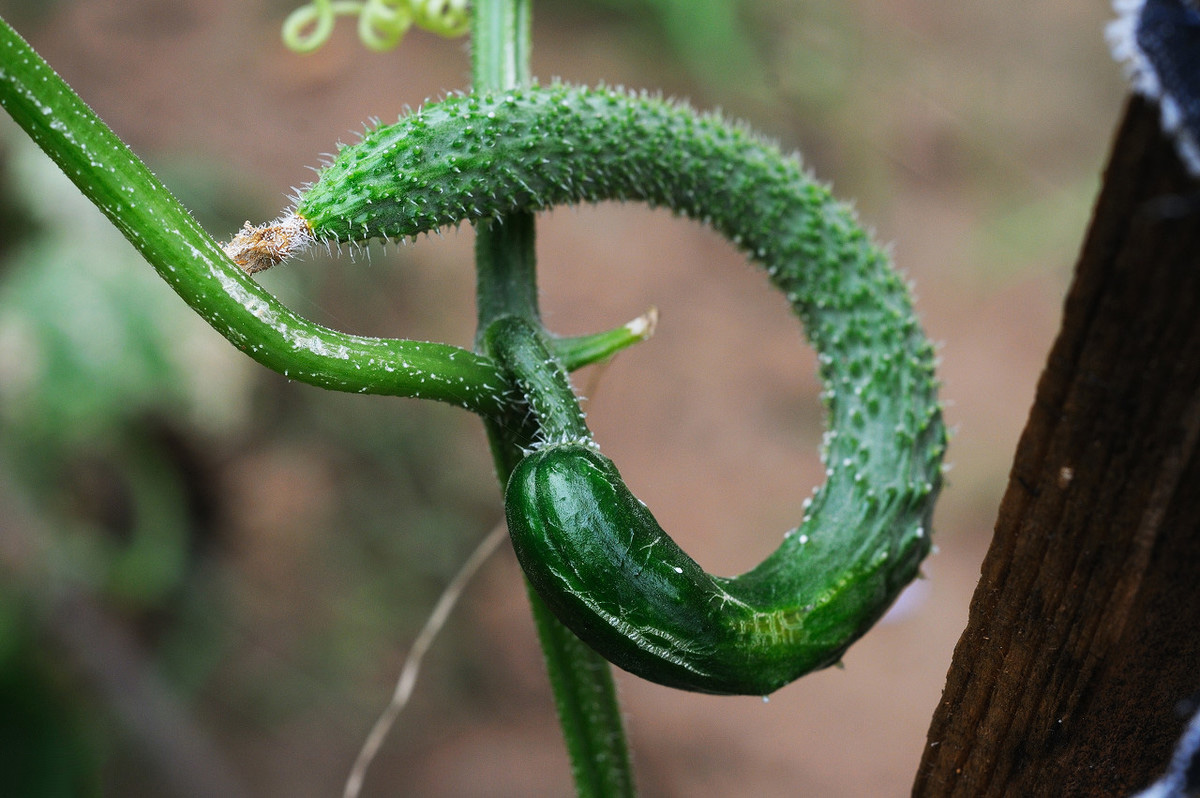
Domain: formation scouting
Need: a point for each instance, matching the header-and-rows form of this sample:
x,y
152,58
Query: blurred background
x,y
209,576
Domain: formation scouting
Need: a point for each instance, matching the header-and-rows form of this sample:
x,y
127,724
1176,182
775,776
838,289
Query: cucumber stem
x,y
585,350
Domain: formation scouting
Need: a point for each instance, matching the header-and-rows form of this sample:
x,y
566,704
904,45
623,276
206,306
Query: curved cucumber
x,y
600,560
593,552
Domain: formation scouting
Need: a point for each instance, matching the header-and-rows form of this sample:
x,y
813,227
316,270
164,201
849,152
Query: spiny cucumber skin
x,y
866,529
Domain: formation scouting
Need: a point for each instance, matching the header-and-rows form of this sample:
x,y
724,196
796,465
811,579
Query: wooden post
x,y
1083,643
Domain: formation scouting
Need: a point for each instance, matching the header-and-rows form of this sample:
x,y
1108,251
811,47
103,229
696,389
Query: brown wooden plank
x,y
1084,630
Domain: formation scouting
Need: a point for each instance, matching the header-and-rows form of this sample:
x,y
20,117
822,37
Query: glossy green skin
x,y
603,564
592,551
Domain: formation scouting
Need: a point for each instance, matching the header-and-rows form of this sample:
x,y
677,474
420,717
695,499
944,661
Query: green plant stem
x,y
588,710
506,269
501,40
583,350
195,266
505,260
581,680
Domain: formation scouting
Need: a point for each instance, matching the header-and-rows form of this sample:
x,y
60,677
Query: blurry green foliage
x,y
47,747
93,356
88,343
192,495
709,37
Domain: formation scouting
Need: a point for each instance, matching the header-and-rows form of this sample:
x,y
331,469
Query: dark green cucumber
x,y
600,560
593,552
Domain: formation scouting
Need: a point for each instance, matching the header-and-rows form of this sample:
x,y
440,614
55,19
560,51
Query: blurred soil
x,y
971,137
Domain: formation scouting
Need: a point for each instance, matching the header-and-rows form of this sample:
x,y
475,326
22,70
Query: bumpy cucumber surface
x,y
592,550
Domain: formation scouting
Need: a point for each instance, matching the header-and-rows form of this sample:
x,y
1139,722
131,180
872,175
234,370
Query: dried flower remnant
x,y
257,249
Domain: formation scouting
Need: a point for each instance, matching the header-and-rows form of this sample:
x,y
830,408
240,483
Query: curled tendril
x,y
443,17
381,23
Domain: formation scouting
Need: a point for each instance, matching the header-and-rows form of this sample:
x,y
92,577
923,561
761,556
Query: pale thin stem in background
x,y
412,665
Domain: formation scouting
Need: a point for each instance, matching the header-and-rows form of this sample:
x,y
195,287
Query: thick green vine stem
x,y
195,266
506,284
547,406
597,557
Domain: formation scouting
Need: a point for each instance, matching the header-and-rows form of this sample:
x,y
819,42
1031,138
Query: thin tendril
x,y
444,17
381,23
412,665
310,26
